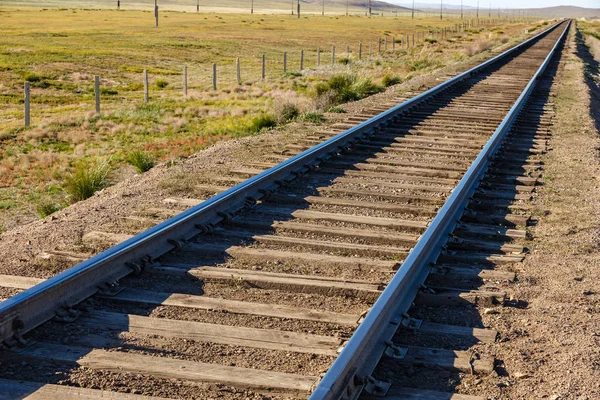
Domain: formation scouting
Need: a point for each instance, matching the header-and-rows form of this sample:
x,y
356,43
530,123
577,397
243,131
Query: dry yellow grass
x,y
60,51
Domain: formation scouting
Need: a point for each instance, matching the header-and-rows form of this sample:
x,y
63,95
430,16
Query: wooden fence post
x,y
156,13
385,42
284,62
214,76
348,51
238,71
27,104
332,55
145,86
360,51
185,81
263,67
393,43
318,56
370,49
379,45
97,92
301,60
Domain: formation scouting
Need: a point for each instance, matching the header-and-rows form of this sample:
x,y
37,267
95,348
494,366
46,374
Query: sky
x,y
513,3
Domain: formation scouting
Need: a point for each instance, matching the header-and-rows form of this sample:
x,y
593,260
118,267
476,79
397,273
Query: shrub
x,y
389,80
142,161
289,112
344,60
343,88
87,180
477,47
314,117
261,122
430,40
33,78
47,207
337,110
161,83
350,87
108,91
422,63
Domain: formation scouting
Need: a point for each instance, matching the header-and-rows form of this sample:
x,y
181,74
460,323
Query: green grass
x,y
87,180
141,160
161,83
261,122
313,117
390,80
343,88
59,51
46,207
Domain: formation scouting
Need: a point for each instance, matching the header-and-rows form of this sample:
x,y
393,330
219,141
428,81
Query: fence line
x,y
403,41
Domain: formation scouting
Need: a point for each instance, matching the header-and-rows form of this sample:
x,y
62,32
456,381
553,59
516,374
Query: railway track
x,y
317,263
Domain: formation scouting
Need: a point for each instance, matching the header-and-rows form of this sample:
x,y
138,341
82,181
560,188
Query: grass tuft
x,y
161,83
336,110
142,161
87,180
47,207
289,112
314,117
343,88
261,122
32,78
390,80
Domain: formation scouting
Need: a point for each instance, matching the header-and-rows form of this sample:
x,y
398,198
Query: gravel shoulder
x,y
550,349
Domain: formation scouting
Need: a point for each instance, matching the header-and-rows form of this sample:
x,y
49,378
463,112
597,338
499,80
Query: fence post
x,y
413,43
156,12
385,42
238,71
284,62
185,81
301,60
318,56
370,49
97,92
263,67
332,55
348,51
214,76
379,45
393,43
27,104
145,86
360,51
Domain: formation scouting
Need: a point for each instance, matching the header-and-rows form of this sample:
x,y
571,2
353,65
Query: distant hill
x,y
432,6
566,12
546,12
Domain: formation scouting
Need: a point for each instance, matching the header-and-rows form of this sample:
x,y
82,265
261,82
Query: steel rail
x,y
57,295
351,371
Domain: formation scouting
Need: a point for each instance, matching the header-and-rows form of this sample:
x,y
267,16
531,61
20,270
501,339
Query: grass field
x,y
60,50
355,7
